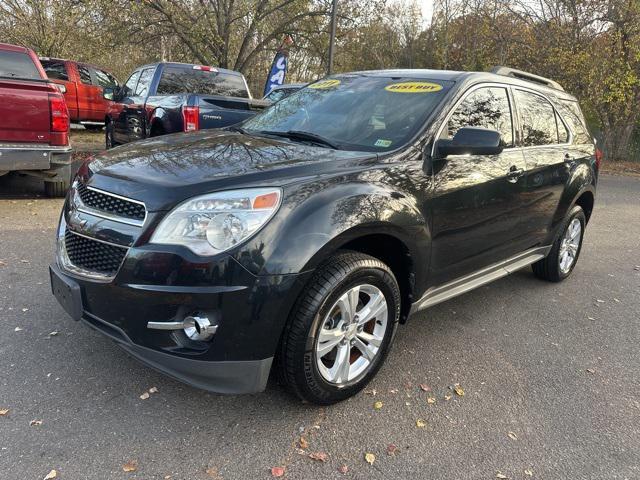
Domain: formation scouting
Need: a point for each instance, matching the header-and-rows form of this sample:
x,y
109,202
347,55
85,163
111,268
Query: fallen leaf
x,y
393,390
131,466
319,456
35,423
51,474
144,396
447,397
343,469
53,334
17,329
304,444
512,436
424,387
616,300
392,449
500,475
277,471
25,309
528,472
431,400
25,261
213,473
378,405
371,392
458,389
591,370
2,264
3,411
599,301
420,423
153,390
369,458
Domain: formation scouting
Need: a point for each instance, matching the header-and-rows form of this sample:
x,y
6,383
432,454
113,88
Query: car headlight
x,y
216,222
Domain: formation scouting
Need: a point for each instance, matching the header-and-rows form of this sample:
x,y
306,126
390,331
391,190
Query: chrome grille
x,y
111,204
93,255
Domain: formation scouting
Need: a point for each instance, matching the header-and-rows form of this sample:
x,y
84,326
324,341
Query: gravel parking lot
x,y
550,375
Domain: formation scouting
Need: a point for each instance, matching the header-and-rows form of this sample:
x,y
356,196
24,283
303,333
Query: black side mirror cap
x,y
471,141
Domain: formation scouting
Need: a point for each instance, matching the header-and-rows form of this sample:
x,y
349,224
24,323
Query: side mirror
x,y
471,141
108,93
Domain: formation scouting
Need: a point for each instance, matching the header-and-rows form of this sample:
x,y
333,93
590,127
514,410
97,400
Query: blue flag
x,y
278,71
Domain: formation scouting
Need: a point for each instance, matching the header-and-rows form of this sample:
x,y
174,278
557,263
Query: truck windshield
x,y
354,112
176,80
17,65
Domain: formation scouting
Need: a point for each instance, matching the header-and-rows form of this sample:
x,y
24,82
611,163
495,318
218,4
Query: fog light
x,y
195,327
199,328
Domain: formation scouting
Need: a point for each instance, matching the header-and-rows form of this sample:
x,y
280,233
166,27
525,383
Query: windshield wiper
x,y
302,135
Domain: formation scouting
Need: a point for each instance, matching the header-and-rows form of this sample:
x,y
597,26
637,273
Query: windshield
x,y
355,112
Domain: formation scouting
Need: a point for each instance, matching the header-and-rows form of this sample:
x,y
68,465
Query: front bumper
x,y
250,318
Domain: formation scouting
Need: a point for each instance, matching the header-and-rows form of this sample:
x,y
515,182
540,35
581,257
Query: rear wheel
x,y
341,328
565,251
56,189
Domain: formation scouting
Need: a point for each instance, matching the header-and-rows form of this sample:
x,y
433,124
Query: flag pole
x,y
332,39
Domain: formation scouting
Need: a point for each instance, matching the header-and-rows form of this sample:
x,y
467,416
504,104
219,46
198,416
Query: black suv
x,y
303,237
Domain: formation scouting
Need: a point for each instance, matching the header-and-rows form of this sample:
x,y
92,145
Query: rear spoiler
x,y
526,76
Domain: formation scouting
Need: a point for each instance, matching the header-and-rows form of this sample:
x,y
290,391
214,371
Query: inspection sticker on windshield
x,y
324,84
382,143
413,87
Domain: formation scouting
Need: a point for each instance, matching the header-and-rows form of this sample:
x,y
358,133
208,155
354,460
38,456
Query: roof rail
x,y
529,77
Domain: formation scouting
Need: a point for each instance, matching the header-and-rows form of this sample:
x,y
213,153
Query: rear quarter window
x,y
571,113
56,70
17,65
176,80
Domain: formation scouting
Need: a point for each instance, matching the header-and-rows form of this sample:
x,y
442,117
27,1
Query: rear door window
x,y
17,65
538,119
145,81
85,74
486,107
176,80
56,69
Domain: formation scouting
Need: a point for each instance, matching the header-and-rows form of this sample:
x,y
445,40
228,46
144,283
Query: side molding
x,y
439,294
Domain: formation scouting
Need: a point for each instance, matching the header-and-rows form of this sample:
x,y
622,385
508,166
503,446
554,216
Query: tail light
x,y
599,156
59,120
191,118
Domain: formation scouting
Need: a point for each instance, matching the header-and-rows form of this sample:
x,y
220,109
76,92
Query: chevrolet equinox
x,y
303,237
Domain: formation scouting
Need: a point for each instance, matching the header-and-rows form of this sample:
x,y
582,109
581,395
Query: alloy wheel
x,y
570,245
351,334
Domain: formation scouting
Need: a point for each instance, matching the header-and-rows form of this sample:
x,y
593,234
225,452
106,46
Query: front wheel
x,y
340,329
565,251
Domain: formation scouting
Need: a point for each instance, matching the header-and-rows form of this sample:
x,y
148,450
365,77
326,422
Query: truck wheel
x,y
340,330
56,189
108,136
564,254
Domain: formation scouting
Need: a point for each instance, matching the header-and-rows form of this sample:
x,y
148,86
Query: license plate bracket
x,y
67,292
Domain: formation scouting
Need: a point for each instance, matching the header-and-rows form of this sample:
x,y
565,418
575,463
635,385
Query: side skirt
x,y
439,294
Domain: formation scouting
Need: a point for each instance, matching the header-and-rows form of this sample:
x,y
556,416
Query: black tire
x,y
297,360
549,267
109,142
56,189
93,128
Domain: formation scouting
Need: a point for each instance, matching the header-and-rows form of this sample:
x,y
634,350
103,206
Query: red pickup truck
x,y
82,86
34,121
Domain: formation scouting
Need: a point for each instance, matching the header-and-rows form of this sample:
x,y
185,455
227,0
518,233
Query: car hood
x,y
163,170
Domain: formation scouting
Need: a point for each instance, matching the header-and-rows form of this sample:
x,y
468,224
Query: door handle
x,y
514,174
